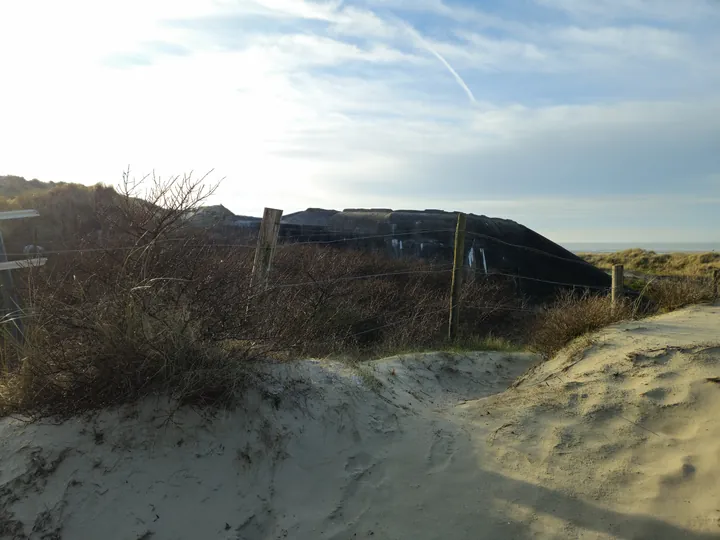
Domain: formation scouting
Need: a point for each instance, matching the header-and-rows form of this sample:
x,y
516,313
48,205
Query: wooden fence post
x,y
267,240
716,282
457,275
618,284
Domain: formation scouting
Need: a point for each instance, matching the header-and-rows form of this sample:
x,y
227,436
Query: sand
x,y
615,438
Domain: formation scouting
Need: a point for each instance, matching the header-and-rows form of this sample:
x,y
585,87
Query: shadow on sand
x,y
583,515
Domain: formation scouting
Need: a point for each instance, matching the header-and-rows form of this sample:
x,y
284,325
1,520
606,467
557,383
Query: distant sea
x,y
658,247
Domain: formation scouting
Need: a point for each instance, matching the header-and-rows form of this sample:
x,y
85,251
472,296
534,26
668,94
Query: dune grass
x,y
471,343
574,315
650,262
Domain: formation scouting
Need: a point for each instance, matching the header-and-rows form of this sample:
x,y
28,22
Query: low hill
x,y
13,186
75,215
67,211
650,262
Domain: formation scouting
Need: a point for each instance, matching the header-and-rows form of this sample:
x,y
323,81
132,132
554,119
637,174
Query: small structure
x,y
494,246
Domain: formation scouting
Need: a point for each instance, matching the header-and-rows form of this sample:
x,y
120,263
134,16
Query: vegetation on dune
x,y
68,212
156,308
574,314
650,262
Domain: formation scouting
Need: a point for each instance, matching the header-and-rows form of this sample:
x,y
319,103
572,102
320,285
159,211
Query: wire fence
x,y
347,239
432,269
531,249
435,269
218,245
550,282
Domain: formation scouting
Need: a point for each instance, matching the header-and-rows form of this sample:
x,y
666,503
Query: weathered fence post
x,y
618,284
457,275
716,282
267,240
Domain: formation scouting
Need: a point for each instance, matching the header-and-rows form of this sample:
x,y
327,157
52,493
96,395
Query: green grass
x,y
488,343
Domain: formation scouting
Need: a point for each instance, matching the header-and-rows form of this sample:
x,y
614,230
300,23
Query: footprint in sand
x,y
365,476
657,394
358,463
258,525
665,375
651,358
685,474
441,451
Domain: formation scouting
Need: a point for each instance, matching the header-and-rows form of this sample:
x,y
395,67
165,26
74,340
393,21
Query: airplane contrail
x,y
440,57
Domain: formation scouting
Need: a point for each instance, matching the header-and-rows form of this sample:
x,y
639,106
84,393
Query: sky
x,y
586,120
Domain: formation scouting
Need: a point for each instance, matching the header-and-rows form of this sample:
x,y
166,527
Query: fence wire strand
x,y
433,270
528,248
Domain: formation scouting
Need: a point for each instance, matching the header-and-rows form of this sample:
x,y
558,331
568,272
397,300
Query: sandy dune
x,y
616,438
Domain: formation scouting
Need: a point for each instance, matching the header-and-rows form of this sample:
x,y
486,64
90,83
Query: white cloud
x,y
661,149
626,9
303,103
351,21
484,53
302,50
635,41
475,17
299,8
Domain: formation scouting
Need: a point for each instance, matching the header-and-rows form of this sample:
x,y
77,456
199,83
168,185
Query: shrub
x,y
111,326
152,308
673,293
572,316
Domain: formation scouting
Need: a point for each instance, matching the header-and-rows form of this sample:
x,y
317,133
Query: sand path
x,y
617,438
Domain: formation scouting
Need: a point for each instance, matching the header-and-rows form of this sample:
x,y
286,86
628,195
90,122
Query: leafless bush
x,y
151,207
115,324
152,307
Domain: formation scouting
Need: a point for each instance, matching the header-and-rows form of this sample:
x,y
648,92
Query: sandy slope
x,y
616,439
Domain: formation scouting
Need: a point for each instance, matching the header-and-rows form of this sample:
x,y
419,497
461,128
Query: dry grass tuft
x,y
669,294
573,316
